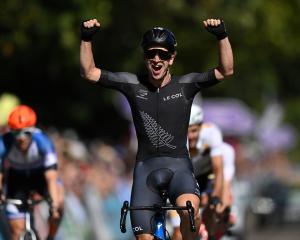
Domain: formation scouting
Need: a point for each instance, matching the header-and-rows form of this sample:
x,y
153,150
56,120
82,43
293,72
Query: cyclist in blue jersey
x,y
28,168
160,104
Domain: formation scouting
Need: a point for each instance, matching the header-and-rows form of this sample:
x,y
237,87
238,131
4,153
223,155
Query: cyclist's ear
x,y
171,61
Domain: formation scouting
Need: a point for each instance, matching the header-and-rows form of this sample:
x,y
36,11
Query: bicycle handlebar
x,y
19,202
124,211
158,208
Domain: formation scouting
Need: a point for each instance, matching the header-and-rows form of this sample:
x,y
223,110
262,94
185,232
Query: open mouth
x,y
156,68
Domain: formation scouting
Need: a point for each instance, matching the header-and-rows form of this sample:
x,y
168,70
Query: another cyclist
x,y
213,162
160,104
29,166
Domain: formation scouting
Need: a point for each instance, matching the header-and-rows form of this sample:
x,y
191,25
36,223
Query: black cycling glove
x,y
218,31
215,201
87,33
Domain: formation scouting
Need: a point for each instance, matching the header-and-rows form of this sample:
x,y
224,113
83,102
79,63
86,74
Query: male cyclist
x,y
213,162
28,169
160,104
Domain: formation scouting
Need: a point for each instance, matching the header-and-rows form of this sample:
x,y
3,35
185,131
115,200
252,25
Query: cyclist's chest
x,y
164,100
18,159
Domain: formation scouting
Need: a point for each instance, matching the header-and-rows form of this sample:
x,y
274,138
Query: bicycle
x,y
160,232
29,232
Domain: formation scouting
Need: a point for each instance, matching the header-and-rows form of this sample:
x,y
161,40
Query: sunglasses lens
x,y
163,55
149,54
20,134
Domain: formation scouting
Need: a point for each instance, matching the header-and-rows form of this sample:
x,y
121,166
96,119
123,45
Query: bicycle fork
x,y
160,226
28,226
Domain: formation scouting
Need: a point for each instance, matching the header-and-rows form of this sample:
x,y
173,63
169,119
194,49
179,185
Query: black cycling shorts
x,y
21,183
172,174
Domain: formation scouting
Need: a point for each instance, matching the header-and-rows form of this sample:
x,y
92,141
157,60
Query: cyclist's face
x,y
193,135
158,60
23,140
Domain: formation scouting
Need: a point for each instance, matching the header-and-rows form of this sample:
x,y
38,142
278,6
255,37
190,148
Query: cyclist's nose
x,y
156,57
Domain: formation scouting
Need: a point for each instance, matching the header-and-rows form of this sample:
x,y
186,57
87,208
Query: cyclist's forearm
x,y
51,178
226,62
88,69
217,191
218,172
226,199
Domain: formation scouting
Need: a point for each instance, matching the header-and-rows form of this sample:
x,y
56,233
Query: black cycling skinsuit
x,y
161,118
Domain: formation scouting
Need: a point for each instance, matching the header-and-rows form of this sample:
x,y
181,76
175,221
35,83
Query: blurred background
x,y
257,109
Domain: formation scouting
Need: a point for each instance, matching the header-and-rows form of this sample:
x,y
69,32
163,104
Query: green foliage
x,y
40,40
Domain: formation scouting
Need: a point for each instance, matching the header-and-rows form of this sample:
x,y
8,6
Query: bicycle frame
x,y
159,218
28,228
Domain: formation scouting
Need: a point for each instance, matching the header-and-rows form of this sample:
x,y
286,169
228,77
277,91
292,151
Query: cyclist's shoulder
x,y
122,77
41,138
37,133
210,127
210,135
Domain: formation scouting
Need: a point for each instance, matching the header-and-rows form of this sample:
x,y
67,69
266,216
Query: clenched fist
x,y
88,29
216,27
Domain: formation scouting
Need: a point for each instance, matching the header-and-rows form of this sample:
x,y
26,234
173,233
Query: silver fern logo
x,y
157,135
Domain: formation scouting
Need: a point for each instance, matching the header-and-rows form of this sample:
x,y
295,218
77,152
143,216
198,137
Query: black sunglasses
x,y
21,133
163,55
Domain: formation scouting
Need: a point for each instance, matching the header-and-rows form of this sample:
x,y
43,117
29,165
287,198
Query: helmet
x,y
159,36
21,117
196,116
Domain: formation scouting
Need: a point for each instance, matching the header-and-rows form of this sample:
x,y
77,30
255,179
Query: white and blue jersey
x,y
40,154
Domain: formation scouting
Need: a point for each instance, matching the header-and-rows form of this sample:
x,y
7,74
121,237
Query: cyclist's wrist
x,y
54,209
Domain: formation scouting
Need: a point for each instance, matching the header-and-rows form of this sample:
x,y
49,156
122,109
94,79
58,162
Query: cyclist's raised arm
x,y
225,67
88,70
